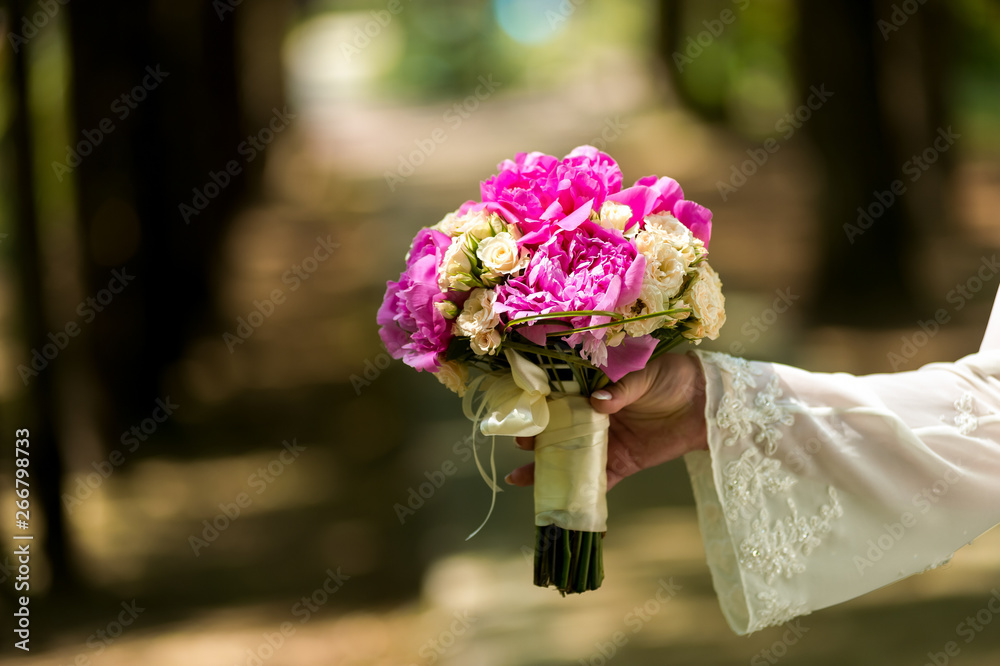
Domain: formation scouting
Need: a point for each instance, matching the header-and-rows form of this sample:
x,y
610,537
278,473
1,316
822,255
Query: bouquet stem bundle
x,y
570,561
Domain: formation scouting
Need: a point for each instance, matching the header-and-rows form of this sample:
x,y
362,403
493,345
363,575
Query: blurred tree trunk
x,y
886,70
38,409
154,108
886,107
164,76
674,35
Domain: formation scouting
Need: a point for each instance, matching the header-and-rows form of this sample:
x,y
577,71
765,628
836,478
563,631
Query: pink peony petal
x,y
668,192
534,334
639,198
695,217
632,354
553,212
633,281
577,217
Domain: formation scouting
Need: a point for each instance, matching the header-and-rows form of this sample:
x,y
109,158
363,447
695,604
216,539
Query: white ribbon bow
x,y
513,405
570,455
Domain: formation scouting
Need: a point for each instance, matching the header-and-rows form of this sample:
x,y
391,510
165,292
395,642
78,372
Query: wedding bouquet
x,y
524,303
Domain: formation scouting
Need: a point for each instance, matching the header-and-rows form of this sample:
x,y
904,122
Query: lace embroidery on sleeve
x,y
771,547
774,611
774,550
738,416
741,372
748,479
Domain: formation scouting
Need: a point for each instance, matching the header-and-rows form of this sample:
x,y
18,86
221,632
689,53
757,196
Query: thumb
x,y
616,397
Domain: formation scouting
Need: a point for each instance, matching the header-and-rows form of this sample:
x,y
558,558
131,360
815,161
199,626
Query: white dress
x,y
819,487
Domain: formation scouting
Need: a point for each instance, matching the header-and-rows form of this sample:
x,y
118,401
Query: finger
x,y
621,464
615,397
526,443
522,476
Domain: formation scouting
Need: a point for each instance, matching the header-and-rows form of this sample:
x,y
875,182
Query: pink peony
x,y
525,186
585,175
584,268
537,191
411,327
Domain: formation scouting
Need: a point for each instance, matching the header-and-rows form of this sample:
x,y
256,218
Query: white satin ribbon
x,y
570,443
571,458
515,403
512,405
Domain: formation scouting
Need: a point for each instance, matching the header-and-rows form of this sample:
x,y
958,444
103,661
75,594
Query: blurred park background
x,y
201,203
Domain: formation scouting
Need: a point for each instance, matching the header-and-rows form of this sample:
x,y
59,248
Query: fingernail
x,y
509,479
601,395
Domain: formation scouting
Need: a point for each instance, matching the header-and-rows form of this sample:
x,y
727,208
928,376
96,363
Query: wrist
x,y
696,426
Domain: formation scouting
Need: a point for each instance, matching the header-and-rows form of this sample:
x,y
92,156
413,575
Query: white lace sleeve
x,y
821,487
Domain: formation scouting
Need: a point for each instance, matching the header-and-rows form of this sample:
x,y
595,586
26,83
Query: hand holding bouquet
x,y
557,281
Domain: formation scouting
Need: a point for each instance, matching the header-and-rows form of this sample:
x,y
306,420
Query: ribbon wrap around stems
x,y
570,445
571,458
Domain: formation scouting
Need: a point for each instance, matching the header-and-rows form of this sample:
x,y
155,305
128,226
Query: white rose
x,y
650,301
615,216
669,224
450,224
668,228
500,254
486,342
454,375
708,306
477,314
455,266
482,224
680,304
665,265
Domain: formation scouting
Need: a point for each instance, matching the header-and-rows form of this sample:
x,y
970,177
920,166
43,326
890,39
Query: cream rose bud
x,y
482,224
615,336
454,375
477,314
447,309
708,306
500,254
455,266
486,342
615,216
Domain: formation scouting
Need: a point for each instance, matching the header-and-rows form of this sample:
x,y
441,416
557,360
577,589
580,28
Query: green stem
x,y
582,576
556,315
545,351
616,322
569,560
666,346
